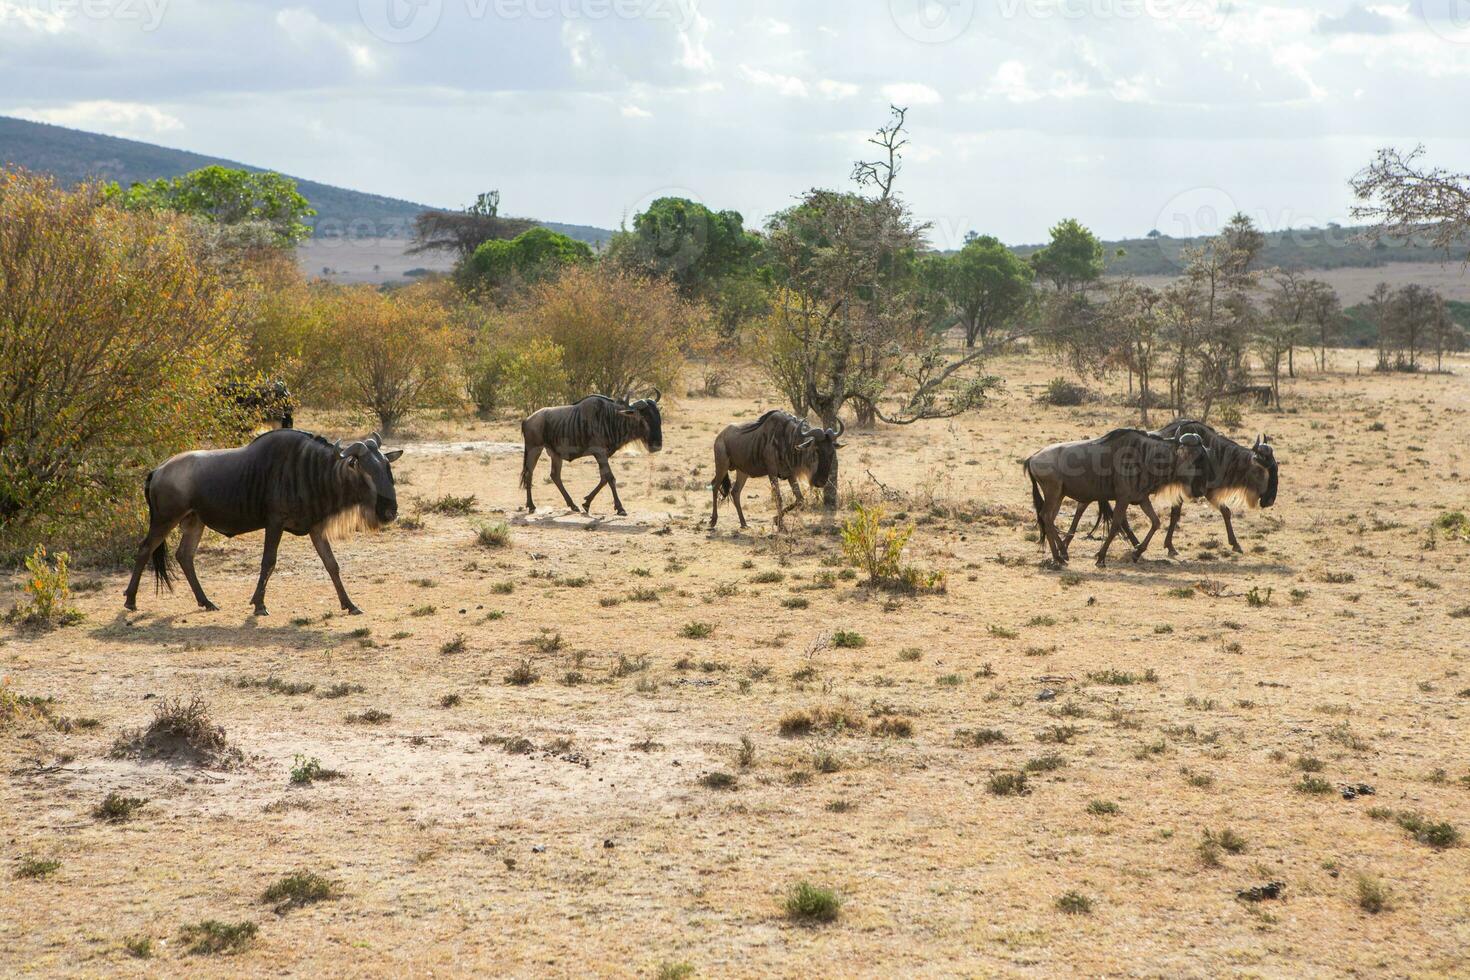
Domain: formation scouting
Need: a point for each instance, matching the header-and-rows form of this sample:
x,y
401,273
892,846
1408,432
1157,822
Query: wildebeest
x,y
1127,467
776,445
284,480
596,426
1244,478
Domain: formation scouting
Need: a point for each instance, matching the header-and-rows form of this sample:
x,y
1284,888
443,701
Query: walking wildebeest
x,y
596,426
1127,467
778,445
1244,479
284,480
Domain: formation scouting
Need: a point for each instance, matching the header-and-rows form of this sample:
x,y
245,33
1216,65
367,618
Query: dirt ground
x,y
566,826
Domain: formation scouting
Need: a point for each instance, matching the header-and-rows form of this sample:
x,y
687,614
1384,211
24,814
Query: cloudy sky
x,y
1127,114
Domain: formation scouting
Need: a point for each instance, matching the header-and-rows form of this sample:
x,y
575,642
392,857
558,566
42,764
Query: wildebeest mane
x,y
307,476
1232,485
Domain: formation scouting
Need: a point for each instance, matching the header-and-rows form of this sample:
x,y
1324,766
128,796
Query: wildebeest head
x,y
1194,464
373,468
646,412
1264,471
823,444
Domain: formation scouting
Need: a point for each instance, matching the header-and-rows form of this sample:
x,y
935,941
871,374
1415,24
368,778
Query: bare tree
x,y
461,232
890,139
1405,199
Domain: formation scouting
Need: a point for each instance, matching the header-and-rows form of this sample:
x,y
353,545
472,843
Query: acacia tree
x,y
1324,310
502,266
1407,199
1073,260
849,322
223,196
461,232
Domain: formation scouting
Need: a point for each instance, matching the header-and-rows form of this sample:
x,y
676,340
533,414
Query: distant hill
x,y
1298,248
73,156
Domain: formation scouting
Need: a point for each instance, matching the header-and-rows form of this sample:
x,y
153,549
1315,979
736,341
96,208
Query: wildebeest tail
x,y
1036,502
725,487
161,578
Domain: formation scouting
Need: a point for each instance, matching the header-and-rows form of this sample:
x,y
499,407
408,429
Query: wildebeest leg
x,y
267,565
1076,520
1230,530
1174,513
556,462
735,495
1120,514
1153,522
193,530
796,492
528,470
157,535
608,480
780,507
329,562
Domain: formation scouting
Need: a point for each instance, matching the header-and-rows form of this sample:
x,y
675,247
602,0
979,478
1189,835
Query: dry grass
x,y
472,839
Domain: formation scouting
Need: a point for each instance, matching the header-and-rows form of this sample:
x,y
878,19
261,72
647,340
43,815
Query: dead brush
x,y
180,730
837,721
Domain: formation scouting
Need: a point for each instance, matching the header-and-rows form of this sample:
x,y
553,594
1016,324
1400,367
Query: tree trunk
x,y
829,414
1291,362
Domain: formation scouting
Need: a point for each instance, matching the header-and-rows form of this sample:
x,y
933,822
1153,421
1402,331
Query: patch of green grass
x,y
1314,786
1050,762
848,640
808,903
212,937
643,595
1438,835
139,947
697,631
493,535
795,602
1226,840
910,655
981,737
1102,808
769,577
451,506
1122,678
675,971
949,680
297,889
1000,632
32,867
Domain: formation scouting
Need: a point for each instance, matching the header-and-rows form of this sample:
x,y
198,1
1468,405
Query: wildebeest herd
x,y
286,480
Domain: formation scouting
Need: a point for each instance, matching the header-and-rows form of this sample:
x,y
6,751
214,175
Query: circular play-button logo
x,y
400,21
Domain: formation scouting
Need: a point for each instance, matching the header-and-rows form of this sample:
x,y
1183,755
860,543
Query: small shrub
x,y
1045,763
1257,599
643,595
523,674
981,737
371,716
1440,835
48,591
873,548
718,781
453,646
808,903
769,577
1226,840
848,640
1061,393
493,535
1102,808
910,655
451,701
1122,678
675,971
212,937
1314,786
139,947
1373,894
116,808
298,889
893,727
697,631
795,602
801,723
1074,903
305,771
180,729
1008,784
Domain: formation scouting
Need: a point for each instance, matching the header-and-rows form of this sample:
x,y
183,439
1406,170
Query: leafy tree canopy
x,y
227,197
1072,260
529,257
685,241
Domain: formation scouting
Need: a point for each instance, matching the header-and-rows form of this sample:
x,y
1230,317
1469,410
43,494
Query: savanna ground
x,y
568,824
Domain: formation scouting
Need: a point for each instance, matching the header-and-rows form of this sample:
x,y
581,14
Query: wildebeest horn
x,y
356,449
657,396
375,440
1191,439
807,443
1259,439
841,428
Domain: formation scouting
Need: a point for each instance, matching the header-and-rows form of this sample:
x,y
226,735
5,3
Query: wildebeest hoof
x,y
131,605
260,611
353,611
621,513
209,607
1173,552
1137,556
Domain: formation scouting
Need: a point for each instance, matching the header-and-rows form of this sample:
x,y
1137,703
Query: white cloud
x,y
787,85
773,27
31,17
911,94
694,53
837,90
636,112
1010,83
128,119
305,29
